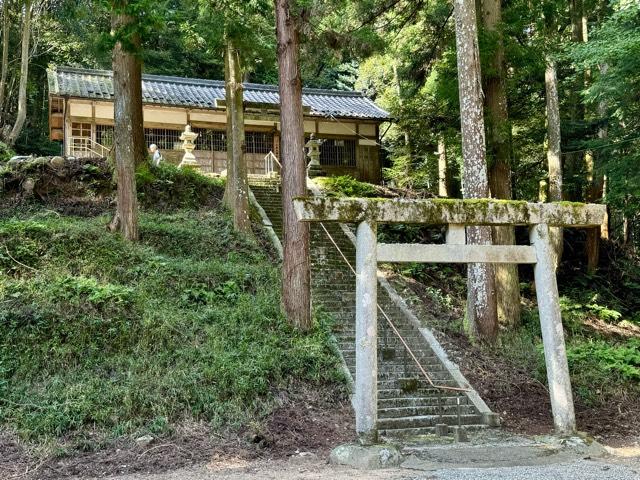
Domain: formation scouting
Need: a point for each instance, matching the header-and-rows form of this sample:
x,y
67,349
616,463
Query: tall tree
x,y
443,175
129,146
296,295
237,190
27,11
499,145
481,299
554,138
4,68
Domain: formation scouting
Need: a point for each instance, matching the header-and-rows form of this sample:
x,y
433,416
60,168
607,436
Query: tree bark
x,y
574,161
443,171
481,300
603,133
129,147
5,56
296,296
230,187
24,75
499,144
593,187
237,194
405,132
554,158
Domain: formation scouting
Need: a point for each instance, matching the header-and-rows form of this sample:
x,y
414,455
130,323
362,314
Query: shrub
x,y
6,152
347,186
600,369
168,187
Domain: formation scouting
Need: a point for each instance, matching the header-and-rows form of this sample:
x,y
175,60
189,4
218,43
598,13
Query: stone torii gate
x,y
457,214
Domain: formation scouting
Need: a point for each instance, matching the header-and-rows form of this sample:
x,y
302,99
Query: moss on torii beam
x,y
448,211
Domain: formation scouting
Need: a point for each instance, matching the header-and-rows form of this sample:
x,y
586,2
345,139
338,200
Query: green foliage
x,y
6,152
347,186
600,369
615,43
168,187
97,332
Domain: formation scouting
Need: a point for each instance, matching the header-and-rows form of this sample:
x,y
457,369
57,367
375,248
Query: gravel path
x,y
583,470
317,469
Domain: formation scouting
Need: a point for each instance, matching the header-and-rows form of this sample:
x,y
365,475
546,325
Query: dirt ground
x,y
508,459
308,419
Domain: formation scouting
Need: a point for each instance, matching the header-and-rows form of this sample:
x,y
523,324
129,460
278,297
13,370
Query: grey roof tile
x,y
190,92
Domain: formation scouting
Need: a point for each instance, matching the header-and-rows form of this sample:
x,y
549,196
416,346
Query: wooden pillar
x,y
67,128
555,352
366,382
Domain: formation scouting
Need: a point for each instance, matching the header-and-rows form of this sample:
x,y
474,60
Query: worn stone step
x,y
396,353
394,373
418,432
413,383
429,363
421,421
426,410
384,393
391,353
409,402
391,350
438,377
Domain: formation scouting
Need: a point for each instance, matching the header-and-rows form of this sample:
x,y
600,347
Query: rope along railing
x,y
393,327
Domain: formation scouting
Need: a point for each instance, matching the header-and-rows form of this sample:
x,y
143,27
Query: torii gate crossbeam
x,y
457,214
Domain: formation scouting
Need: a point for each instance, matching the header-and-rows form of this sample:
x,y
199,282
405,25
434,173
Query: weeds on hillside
x,y
98,333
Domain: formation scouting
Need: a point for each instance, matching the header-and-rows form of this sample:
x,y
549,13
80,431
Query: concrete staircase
x,y
407,404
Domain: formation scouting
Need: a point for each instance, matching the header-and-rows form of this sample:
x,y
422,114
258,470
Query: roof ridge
x,y
215,83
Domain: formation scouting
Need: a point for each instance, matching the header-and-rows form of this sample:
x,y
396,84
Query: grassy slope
x,y
96,333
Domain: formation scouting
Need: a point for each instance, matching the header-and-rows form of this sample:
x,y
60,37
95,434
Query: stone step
x,y
425,410
389,393
391,350
384,339
408,402
385,374
413,383
421,421
405,433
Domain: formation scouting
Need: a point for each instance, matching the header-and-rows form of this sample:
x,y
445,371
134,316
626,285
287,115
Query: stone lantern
x,y
313,152
189,159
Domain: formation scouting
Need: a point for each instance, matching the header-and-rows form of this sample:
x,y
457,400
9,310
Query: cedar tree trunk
x,y
554,158
499,143
443,177
481,299
296,296
237,192
129,147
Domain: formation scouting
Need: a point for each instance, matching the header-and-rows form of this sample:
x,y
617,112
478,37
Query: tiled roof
x,y
196,93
